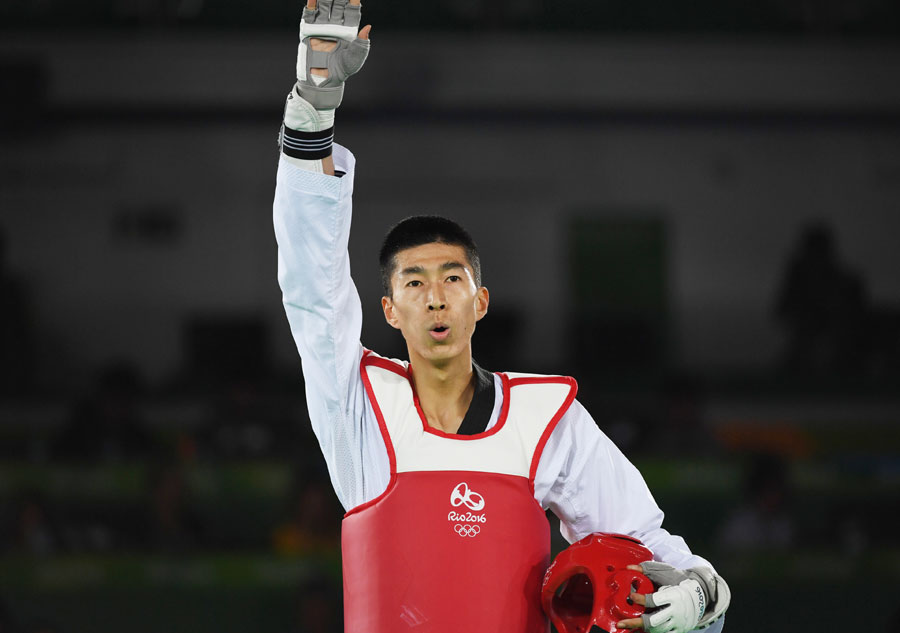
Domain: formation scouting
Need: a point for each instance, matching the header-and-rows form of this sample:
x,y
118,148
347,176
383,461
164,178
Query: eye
x,y
454,278
413,283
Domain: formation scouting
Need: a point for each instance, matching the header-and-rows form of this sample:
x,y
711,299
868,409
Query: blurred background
x,y
694,208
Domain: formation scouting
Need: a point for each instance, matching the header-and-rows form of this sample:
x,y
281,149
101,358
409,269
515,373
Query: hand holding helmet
x,y
608,580
686,600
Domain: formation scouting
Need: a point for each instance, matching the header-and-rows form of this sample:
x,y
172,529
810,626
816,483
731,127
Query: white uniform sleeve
x,y
312,227
592,487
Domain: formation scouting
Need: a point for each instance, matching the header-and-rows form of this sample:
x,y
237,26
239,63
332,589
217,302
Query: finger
x,y
631,623
639,598
364,32
635,568
355,3
311,4
337,11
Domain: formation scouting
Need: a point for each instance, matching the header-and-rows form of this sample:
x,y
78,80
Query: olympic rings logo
x,y
466,530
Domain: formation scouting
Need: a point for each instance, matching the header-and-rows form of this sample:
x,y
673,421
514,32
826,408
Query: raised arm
x,y
312,227
312,210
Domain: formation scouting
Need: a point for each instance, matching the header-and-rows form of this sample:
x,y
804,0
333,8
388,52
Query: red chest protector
x,y
457,542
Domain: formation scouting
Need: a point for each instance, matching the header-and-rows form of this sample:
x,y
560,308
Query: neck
x,y
445,389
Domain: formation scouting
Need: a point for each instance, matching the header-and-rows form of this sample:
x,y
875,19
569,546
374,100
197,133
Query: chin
x,y
439,352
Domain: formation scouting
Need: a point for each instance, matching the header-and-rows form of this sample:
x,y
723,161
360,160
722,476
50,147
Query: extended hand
x,y
318,44
330,50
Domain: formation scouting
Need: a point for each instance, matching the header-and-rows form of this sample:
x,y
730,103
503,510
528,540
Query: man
x,y
445,469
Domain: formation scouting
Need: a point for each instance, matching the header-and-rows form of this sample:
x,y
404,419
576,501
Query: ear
x,y
388,306
482,299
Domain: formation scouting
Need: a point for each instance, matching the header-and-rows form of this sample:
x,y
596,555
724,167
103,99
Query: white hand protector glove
x,y
307,134
678,608
337,21
687,599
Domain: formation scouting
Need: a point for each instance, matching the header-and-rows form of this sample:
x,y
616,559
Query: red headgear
x,y
595,583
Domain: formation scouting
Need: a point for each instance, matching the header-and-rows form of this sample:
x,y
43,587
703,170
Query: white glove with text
x,y
686,599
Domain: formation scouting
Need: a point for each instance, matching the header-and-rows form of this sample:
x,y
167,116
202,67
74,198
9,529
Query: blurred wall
x,y
144,196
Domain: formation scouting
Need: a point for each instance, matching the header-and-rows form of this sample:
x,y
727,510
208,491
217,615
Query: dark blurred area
x,y
656,16
693,209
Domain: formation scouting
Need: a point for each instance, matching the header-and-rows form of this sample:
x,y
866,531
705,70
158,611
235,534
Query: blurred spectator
x,y
172,525
885,334
851,530
106,426
831,16
763,521
30,528
17,352
239,426
248,421
319,607
313,524
42,625
823,306
893,624
7,624
683,430
37,527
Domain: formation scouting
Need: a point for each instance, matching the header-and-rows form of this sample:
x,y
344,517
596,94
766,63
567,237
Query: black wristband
x,y
307,145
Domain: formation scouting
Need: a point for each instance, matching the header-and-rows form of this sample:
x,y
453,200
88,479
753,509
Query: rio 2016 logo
x,y
462,495
466,522
468,517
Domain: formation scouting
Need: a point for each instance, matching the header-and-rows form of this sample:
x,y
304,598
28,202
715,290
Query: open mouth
x,y
439,332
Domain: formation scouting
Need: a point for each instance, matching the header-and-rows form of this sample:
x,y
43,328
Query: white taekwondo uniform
x,y
582,477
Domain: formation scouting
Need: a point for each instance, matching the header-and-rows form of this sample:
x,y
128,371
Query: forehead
x,y
430,256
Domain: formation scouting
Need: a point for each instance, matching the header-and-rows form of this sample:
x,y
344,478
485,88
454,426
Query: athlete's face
x,y
435,301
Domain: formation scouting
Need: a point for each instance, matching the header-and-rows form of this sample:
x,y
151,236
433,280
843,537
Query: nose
x,y
437,301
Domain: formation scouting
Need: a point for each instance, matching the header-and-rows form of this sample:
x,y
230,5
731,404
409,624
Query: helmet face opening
x,y
574,602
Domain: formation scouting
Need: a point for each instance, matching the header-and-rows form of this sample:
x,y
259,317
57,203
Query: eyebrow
x,y
419,270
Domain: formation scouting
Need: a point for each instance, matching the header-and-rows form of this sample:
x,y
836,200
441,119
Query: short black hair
x,y
424,229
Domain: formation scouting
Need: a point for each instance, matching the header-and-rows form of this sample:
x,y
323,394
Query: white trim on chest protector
x,y
508,450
